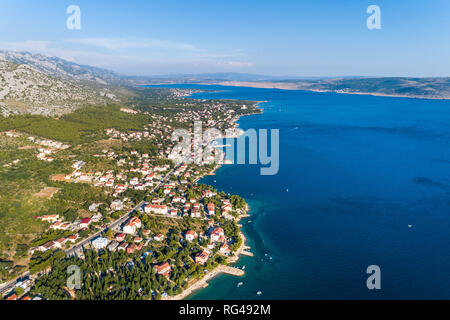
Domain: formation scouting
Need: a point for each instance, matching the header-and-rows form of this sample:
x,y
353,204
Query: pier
x,y
232,271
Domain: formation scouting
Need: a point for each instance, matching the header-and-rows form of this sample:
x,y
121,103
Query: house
x,y
195,213
159,237
138,239
120,237
211,209
60,226
60,242
100,243
202,257
113,245
50,218
116,205
174,212
96,218
93,207
208,194
123,246
158,209
134,181
132,248
217,235
146,233
77,165
85,223
191,235
163,269
132,225
225,249
12,297
73,238
226,208
46,246
176,200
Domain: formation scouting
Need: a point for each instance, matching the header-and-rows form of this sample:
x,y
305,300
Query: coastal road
x,y
8,286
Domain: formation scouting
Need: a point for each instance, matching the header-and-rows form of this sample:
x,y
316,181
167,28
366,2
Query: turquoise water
x,y
359,170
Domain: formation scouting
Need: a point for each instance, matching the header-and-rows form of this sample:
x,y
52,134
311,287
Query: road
x,y
121,220
5,288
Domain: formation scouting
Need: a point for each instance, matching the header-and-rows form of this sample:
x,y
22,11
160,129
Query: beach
x,y
221,269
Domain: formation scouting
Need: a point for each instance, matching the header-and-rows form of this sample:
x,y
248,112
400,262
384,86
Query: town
x,y
151,218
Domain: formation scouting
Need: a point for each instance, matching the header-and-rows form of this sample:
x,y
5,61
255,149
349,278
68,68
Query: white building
x,y
158,209
100,243
117,205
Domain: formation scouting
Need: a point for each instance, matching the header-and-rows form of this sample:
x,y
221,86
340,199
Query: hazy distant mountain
x,y
35,83
213,77
438,88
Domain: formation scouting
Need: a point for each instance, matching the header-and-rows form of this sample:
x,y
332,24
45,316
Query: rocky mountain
x,y
61,68
24,89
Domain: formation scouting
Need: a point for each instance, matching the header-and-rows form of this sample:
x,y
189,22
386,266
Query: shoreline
x,y
290,87
221,269
231,260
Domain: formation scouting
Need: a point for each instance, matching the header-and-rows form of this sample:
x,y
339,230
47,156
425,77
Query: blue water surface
x,y
363,181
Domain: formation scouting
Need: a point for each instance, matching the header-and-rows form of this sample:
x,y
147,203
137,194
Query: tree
x,y
19,291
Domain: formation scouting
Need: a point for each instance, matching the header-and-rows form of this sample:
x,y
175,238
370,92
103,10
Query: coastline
x,y
242,250
221,269
292,86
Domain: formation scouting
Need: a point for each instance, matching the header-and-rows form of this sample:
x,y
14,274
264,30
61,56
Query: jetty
x,y
232,271
247,253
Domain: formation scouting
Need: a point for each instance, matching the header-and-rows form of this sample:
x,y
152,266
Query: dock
x,y
232,271
247,253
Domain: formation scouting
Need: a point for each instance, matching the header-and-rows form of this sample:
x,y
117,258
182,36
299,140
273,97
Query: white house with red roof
x,y
191,235
157,209
132,225
202,257
163,269
211,209
225,249
120,237
217,235
84,223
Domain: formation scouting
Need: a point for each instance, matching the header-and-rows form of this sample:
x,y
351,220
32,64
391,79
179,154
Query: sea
x,y
363,181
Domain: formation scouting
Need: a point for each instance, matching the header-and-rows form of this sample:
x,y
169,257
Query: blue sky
x,y
296,38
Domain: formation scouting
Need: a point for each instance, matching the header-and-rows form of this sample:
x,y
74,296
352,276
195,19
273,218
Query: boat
x,y
243,268
259,293
240,284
